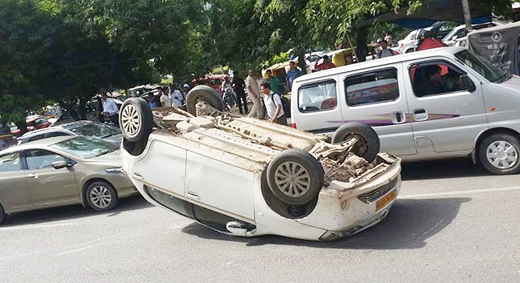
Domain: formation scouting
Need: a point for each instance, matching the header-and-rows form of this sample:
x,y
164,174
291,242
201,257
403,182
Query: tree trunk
x,y
361,43
22,126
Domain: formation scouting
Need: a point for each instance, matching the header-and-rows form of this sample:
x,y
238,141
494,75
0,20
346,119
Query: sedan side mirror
x,y
60,164
468,84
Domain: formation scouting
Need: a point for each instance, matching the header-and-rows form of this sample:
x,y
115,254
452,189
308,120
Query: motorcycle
x,y
229,98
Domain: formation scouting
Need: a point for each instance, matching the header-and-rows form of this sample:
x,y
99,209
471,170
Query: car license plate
x,y
386,199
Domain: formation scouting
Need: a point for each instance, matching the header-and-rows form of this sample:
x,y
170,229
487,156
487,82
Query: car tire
x,y
500,154
368,146
288,167
136,119
101,196
204,93
2,214
409,51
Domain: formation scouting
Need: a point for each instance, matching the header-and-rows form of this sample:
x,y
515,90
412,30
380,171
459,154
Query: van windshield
x,y
482,66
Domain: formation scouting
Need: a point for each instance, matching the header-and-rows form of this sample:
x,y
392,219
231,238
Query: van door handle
x,y
138,176
398,118
420,115
33,176
193,195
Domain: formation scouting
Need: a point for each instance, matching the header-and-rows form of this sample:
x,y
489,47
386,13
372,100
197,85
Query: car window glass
x,y
10,162
40,121
372,87
56,134
41,159
35,137
317,97
85,148
433,78
97,130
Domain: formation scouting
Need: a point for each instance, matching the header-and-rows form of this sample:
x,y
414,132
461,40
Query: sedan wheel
x,y
101,196
136,120
500,154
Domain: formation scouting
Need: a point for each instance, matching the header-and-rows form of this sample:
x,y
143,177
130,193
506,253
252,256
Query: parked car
x,y
33,122
78,128
213,81
247,177
62,171
472,110
460,32
409,43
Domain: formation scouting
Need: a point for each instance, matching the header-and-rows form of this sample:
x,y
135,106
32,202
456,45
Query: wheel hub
x,y
292,179
502,154
100,196
130,120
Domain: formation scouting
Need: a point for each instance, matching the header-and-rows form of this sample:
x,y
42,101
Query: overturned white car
x,y
247,177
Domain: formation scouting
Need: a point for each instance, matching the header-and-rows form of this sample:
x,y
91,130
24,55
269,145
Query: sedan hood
x,y
112,159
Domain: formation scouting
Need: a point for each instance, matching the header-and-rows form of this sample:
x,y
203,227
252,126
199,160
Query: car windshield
x,y
85,148
482,66
97,130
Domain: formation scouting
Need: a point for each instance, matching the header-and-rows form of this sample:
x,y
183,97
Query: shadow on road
x,y
409,224
438,169
71,212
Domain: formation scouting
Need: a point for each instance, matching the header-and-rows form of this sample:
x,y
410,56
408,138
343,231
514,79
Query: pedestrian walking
x,y
253,92
274,106
239,84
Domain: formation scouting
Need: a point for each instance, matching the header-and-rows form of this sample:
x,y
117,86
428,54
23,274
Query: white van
x,y
438,103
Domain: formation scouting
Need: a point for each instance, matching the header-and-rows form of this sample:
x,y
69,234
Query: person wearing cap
x,y
384,52
326,64
292,74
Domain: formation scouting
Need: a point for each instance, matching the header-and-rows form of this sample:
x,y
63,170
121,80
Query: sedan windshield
x,y
85,148
482,66
97,130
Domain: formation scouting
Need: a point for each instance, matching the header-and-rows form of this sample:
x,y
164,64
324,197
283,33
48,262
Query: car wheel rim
x,y
130,120
292,179
502,154
100,196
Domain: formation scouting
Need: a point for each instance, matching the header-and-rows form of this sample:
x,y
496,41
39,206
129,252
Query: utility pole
x,y
467,15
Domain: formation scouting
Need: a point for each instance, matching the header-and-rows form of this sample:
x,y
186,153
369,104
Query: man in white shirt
x,y
165,100
253,92
176,97
273,105
110,109
384,52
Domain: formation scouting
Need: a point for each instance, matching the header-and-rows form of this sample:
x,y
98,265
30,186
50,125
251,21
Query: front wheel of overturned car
x,y
136,120
368,145
206,94
500,154
101,196
295,177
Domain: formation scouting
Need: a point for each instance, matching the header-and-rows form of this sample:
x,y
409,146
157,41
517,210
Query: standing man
x,y
292,74
326,64
273,81
239,84
273,104
165,100
110,109
384,52
253,92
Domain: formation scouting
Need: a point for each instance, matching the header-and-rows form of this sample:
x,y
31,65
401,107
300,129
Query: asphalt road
x,y
452,222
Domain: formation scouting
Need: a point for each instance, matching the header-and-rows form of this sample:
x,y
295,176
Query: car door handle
x,y
398,118
193,195
420,115
138,176
33,176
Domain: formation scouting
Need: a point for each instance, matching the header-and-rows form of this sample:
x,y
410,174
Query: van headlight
x,y
114,170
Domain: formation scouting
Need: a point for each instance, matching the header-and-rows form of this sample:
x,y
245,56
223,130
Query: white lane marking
x,y
442,194
81,249
36,226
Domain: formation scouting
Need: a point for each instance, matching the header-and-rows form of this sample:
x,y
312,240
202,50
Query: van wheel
x,y
500,154
101,196
206,94
368,144
136,119
2,214
295,177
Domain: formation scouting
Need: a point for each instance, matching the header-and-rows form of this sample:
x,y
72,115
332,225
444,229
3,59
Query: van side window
x,y
433,78
317,97
372,87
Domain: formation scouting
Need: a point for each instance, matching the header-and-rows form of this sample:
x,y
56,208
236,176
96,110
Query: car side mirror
x,y
468,84
59,164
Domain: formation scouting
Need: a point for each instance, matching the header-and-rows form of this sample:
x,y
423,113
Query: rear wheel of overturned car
x,y
135,119
206,94
101,196
368,144
500,154
295,177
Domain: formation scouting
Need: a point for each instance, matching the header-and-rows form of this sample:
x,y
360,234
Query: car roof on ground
x,y
43,143
378,62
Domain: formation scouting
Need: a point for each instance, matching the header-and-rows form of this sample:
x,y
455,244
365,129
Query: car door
x,y
49,186
219,187
377,97
446,105
14,195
